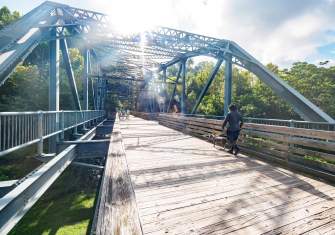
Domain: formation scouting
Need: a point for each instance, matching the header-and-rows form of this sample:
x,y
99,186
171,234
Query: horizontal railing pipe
x,y
21,129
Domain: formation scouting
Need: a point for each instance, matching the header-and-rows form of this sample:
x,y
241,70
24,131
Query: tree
x,y
6,17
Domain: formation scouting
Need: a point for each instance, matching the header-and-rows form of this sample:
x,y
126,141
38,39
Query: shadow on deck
x,y
184,185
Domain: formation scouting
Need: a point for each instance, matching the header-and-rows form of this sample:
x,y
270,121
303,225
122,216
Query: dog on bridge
x,y
216,137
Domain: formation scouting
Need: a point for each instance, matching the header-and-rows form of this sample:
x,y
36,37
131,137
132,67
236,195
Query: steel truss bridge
x,y
108,56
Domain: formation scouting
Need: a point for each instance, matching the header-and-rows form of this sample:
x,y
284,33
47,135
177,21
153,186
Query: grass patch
x,y
318,159
65,209
18,164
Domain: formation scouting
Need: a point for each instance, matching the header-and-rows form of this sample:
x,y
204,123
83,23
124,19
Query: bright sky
x,y
278,31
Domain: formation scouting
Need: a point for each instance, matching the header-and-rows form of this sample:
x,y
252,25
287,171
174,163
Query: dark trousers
x,y
232,137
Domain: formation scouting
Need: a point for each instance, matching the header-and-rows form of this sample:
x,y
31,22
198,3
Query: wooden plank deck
x,y
183,185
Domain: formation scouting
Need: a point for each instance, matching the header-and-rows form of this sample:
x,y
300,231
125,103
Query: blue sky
x,y
278,31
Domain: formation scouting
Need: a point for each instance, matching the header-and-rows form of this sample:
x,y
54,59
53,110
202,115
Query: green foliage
x,y
25,90
7,17
318,159
27,87
256,99
66,208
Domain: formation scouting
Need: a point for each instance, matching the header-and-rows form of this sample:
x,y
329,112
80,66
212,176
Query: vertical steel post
x,y
69,72
183,90
93,94
54,84
98,93
40,133
104,90
95,86
85,79
92,82
76,127
207,85
227,83
165,89
62,125
174,88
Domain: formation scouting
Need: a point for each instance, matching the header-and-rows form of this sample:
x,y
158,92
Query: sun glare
x,y
128,16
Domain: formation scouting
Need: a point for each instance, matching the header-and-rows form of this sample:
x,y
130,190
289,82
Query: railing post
x,y
290,146
40,133
54,84
62,125
85,79
85,114
183,90
76,125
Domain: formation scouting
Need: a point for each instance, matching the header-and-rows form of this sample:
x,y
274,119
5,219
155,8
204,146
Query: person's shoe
x,y
237,150
231,151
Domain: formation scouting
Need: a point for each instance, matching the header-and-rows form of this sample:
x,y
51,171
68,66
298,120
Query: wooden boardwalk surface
x,y
183,185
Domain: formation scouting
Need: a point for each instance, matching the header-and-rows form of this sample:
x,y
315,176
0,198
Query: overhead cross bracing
x,y
134,56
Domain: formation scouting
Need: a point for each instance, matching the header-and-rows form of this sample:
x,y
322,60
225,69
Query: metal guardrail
x,y
21,129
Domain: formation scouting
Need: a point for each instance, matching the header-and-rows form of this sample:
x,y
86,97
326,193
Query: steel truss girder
x,y
117,78
306,109
160,43
18,39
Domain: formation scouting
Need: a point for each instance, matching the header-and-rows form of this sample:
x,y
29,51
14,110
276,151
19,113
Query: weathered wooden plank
x,y
263,222
327,135
313,143
265,143
146,116
247,213
217,127
117,210
185,186
270,152
278,133
227,198
203,120
323,166
309,224
326,229
283,135
325,156
272,136
317,172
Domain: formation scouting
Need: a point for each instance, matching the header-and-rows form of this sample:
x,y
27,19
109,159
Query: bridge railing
x,y
300,145
21,129
276,122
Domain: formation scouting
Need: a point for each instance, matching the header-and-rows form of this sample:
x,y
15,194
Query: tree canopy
x,y
7,17
253,97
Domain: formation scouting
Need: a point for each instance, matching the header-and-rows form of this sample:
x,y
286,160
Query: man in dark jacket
x,y
235,122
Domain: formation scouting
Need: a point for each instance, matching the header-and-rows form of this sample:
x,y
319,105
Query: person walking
x,y
235,122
